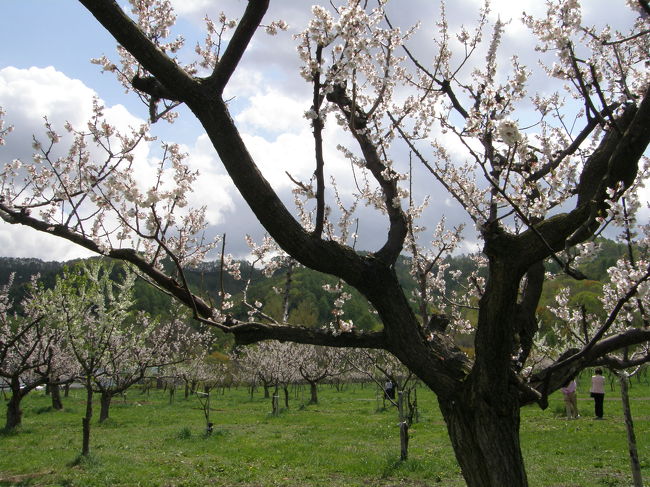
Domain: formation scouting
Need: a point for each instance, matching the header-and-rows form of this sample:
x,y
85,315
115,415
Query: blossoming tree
x,y
272,362
317,364
29,352
625,300
534,184
113,346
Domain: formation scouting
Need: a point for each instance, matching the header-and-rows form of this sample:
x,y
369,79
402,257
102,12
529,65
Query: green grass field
x,y
345,440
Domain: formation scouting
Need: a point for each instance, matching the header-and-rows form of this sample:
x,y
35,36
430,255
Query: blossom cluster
x,y
209,52
96,190
429,268
3,131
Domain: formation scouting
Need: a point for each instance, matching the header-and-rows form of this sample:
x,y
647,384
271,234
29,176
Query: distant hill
x,y
205,280
310,304
25,268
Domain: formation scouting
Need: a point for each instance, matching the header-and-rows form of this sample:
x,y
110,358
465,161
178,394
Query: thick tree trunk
x,y
14,413
85,422
286,396
275,404
105,402
313,390
55,391
631,436
485,436
483,411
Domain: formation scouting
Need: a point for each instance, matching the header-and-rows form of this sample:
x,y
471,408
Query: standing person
x,y
598,392
570,399
389,389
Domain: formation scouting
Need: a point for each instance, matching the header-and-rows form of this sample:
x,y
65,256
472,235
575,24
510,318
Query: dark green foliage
x,y
309,300
207,279
595,268
151,300
310,305
23,270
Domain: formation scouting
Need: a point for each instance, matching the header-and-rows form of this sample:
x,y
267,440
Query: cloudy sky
x,y
45,71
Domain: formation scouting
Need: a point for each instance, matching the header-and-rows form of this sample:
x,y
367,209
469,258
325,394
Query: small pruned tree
x,y
316,364
111,345
383,369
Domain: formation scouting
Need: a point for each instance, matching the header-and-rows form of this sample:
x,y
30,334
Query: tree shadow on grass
x,y
24,480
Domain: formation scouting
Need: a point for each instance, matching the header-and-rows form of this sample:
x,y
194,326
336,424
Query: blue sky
x,y
45,68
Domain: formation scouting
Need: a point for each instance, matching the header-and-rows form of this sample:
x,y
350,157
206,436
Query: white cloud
x,y
27,96
192,8
19,241
244,83
214,189
274,112
292,153
38,92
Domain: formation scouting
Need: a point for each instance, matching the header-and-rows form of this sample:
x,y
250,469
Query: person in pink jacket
x,y
570,399
598,392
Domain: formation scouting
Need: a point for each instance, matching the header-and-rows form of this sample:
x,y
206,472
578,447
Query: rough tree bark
x,y
285,388
55,392
313,392
484,432
18,393
105,401
14,413
85,421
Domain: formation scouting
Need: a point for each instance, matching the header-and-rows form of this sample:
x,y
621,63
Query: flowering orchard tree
x,y
625,302
134,351
316,363
190,372
30,352
89,309
113,346
274,363
251,369
537,174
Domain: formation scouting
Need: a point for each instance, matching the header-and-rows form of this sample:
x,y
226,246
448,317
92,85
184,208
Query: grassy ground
x,y
346,440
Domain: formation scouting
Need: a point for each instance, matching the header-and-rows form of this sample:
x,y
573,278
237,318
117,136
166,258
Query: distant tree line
x,y
311,305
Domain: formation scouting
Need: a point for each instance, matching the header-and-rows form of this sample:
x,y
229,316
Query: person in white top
x,y
598,392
